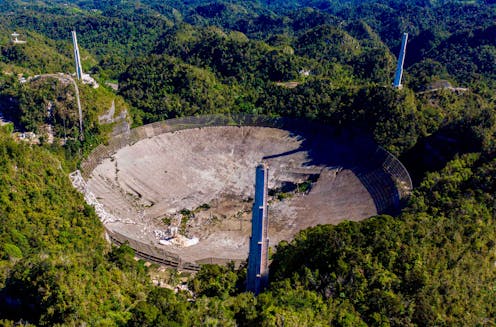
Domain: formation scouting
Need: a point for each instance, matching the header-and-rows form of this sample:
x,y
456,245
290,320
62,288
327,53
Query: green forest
x,y
432,264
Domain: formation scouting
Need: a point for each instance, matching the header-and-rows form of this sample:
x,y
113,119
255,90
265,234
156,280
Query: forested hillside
x,y
55,265
331,61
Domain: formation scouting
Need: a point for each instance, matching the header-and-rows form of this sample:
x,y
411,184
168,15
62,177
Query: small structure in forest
x,y
15,38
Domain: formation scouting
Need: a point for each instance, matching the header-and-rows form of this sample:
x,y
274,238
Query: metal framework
x,y
382,165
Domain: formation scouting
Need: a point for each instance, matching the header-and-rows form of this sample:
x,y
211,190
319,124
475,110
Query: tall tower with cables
x,y
401,61
258,258
77,58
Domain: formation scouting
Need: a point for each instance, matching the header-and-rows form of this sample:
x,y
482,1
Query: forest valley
x,y
325,60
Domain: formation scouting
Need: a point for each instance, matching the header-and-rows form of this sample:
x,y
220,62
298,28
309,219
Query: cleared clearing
x,y
315,178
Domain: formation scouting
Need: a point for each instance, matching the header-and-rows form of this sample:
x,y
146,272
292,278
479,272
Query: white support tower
x,y
401,61
77,58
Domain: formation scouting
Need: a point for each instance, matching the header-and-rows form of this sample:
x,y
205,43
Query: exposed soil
x,y
158,177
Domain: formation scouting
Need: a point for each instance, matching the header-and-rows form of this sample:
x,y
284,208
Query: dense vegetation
x,y
53,257
331,61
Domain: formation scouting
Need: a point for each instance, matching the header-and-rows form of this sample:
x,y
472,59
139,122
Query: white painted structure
x,y
77,58
401,61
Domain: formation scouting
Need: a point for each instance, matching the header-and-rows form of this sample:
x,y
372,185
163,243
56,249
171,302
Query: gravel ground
x,y
157,177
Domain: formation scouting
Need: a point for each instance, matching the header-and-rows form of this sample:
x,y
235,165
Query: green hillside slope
x,y
329,61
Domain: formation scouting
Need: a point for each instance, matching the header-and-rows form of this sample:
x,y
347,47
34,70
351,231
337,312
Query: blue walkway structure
x,y
77,58
401,60
258,261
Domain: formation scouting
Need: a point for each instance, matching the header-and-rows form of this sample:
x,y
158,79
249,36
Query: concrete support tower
x,y
401,60
77,58
258,260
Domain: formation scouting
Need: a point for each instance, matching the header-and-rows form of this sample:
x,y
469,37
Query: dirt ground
x,y
211,172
